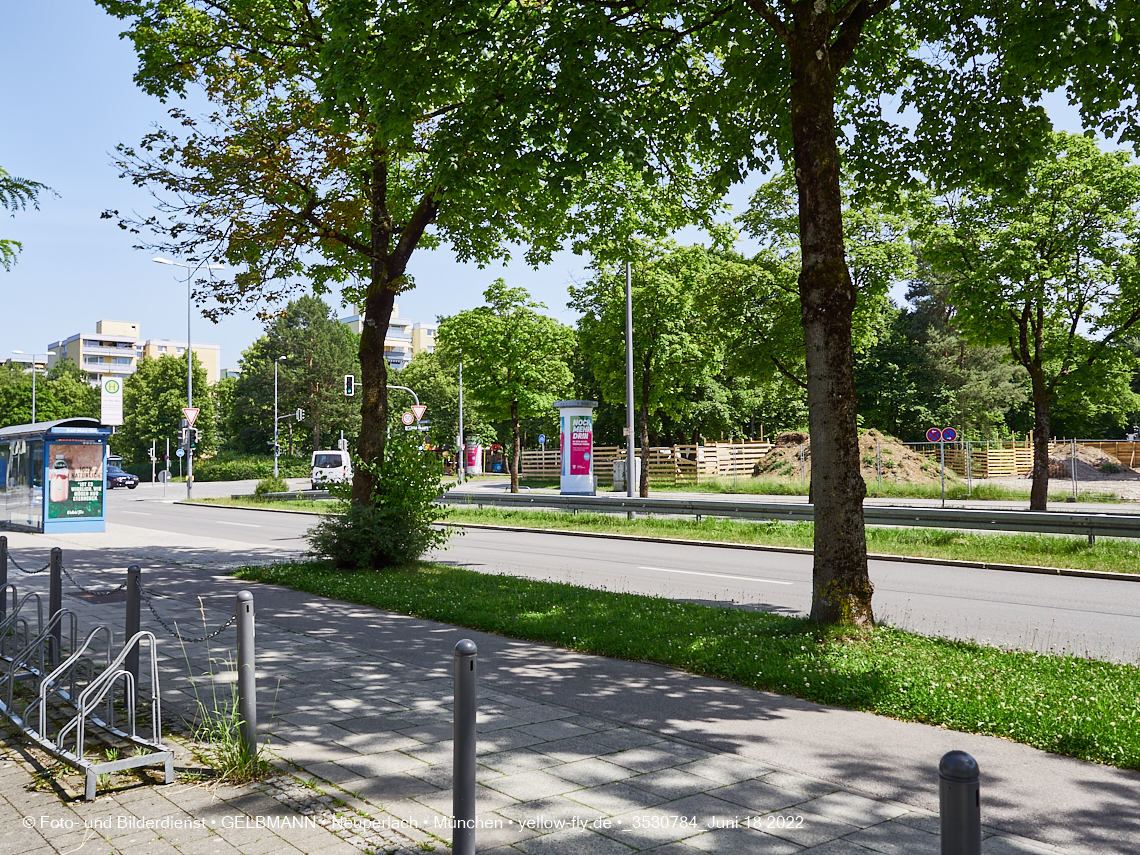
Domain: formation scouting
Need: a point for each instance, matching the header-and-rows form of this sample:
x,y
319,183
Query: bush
x,y
395,528
270,485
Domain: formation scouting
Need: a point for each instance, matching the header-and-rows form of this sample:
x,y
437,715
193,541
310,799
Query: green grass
x,y
1119,555
1060,703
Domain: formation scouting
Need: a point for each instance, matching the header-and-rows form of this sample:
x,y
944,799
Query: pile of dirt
x,y
1092,464
790,457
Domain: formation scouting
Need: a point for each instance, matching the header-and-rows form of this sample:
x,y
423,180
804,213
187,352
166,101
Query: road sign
x,y
191,413
542,439
181,452
934,435
407,419
418,411
417,427
949,434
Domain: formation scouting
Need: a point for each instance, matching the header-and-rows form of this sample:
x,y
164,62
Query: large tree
x,y
1050,270
153,398
514,358
672,349
63,392
338,185
319,351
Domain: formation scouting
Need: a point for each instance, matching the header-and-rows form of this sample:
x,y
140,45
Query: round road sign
x,y
949,434
408,418
542,439
934,435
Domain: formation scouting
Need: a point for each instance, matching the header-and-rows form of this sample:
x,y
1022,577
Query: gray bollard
x,y
959,804
55,604
246,682
463,763
134,615
3,575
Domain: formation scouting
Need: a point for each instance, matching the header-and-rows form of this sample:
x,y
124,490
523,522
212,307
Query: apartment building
x,y
404,340
116,347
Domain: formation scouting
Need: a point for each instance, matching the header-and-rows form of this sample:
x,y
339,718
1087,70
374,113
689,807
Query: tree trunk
x,y
516,446
841,589
1039,492
374,380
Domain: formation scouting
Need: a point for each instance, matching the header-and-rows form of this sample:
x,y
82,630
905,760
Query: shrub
x,y
395,528
270,485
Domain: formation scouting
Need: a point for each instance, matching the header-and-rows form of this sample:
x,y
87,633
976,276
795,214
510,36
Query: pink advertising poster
x,y
581,444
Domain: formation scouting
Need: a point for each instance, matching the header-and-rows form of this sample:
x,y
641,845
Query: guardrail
x,y
1035,522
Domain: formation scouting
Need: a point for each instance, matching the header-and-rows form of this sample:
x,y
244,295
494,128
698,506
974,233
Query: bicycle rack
x,y
79,684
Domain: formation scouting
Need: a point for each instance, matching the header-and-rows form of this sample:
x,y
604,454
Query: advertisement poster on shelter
x,y
581,444
75,480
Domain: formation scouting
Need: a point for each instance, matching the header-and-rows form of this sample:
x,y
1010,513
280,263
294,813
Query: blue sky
x,y
68,101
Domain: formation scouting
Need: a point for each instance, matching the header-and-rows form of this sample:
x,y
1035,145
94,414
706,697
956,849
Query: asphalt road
x,y
1095,617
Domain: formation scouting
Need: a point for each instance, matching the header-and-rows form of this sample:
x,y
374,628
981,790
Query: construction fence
x,y
675,464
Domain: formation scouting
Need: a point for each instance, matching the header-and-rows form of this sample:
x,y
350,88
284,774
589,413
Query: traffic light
x,y
349,385
193,436
300,415
184,437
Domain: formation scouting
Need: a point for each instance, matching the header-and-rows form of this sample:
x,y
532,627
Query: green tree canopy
x,y
319,351
62,393
1050,270
153,398
15,195
514,358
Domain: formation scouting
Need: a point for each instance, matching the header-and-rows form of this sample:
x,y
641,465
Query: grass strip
x,y
1108,554
1119,555
1065,704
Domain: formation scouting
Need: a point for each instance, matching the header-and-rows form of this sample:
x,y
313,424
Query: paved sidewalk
x,y
577,754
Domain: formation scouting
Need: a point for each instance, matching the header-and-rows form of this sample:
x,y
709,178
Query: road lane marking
x,y
136,513
243,525
715,575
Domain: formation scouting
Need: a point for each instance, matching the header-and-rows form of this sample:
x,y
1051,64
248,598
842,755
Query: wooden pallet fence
x,y
676,464
986,459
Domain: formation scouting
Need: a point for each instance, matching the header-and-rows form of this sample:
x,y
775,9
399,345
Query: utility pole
x,y
629,380
462,467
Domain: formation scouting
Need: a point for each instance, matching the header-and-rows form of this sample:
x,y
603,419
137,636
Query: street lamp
x,y
33,356
189,268
276,361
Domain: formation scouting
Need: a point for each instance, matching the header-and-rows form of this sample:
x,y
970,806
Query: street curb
x,y
874,556
913,559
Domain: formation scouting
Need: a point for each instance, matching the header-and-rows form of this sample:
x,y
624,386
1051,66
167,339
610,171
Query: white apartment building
x,y
115,348
404,340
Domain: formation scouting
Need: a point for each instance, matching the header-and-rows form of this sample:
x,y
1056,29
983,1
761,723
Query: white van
x,y
330,467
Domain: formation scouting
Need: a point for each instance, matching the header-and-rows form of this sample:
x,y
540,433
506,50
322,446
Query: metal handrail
x,y
983,519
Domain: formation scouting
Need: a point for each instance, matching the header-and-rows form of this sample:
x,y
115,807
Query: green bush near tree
x,y
395,528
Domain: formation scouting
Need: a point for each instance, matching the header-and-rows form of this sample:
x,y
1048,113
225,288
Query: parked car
x,y
330,467
116,477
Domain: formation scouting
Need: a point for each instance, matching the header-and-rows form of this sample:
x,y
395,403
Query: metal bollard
x,y
246,682
959,804
134,615
463,762
3,575
55,604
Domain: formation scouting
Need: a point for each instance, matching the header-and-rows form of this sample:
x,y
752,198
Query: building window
x,y
162,348
181,350
122,360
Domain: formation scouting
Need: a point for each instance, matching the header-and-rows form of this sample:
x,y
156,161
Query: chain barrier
x,y
12,558
101,593
174,631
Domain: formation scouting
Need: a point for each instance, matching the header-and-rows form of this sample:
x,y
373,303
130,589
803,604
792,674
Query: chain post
x,y
55,604
246,681
134,619
463,757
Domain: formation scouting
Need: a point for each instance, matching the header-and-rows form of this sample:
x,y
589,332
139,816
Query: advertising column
x,y
576,442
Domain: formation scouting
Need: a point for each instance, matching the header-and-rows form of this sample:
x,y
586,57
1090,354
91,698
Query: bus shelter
x,y
53,477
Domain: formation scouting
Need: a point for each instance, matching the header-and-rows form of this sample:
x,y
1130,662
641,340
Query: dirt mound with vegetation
x,y
790,457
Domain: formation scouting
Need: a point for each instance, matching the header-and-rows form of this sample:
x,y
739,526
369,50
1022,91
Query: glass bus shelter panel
x,y
22,483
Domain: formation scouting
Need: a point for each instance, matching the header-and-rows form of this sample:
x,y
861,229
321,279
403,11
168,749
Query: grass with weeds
x,y
1119,555
1065,704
